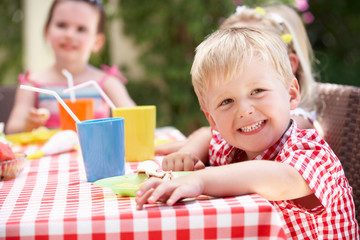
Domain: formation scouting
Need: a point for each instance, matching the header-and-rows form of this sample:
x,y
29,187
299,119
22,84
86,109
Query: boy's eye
x,y
257,91
226,101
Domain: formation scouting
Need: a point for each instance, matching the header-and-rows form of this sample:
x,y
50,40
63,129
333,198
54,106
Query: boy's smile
x,y
252,110
252,129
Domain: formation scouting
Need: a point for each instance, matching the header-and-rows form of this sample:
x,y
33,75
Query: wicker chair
x,y
338,117
7,95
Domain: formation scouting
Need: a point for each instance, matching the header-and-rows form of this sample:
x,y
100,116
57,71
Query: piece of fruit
x,y
5,152
44,113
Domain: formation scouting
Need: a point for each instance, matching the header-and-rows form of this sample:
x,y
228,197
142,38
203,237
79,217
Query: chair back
x,y
338,115
7,96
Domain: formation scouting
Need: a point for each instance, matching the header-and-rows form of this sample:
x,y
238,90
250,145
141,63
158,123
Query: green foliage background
x,y
169,31
11,20
335,39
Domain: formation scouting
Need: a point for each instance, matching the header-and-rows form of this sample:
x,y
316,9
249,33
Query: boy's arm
x,y
198,144
194,155
273,180
171,147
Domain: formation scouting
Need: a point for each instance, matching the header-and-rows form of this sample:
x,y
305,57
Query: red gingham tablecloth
x,y
51,199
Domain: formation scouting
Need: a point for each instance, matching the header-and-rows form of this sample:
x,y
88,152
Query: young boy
x,y
246,88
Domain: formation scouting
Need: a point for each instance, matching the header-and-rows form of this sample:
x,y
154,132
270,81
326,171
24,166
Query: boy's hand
x,y
180,161
169,192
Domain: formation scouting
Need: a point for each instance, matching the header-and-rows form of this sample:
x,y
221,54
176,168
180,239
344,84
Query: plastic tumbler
x,y
83,108
140,123
102,147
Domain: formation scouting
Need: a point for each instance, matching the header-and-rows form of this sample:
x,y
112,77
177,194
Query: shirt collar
x,y
273,151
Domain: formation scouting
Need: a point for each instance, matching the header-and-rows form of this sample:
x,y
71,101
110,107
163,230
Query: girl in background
x,y
75,29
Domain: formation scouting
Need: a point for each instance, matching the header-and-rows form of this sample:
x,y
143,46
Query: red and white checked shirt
x,y
312,157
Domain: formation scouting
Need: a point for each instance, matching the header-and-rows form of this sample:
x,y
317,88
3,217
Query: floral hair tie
x,y
260,10
240,9
287,38
278,20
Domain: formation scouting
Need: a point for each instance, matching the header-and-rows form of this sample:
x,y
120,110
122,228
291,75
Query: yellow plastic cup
x,y
140,123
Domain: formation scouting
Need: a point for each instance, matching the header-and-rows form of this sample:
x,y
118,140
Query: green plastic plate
x,y
126,185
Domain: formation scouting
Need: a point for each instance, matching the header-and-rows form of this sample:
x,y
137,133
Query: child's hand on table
x,y
169,192
182,161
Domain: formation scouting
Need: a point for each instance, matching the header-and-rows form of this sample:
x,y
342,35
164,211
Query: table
x,y
51,199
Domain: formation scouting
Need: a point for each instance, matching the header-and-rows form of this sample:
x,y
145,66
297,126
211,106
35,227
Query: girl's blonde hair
x,y
284,20
223,54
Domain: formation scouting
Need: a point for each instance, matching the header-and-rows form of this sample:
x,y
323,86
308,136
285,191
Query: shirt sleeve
x,y
318,165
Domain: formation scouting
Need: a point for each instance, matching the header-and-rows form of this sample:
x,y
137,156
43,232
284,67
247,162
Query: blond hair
x,y
223,54
282,19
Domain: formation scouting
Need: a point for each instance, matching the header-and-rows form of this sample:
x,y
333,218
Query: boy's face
x,y
252,110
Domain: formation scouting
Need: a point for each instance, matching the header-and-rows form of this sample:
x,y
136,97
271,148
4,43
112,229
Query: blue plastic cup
x,y
103,147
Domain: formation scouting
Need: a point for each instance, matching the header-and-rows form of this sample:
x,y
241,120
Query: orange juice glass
x,y
83,108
